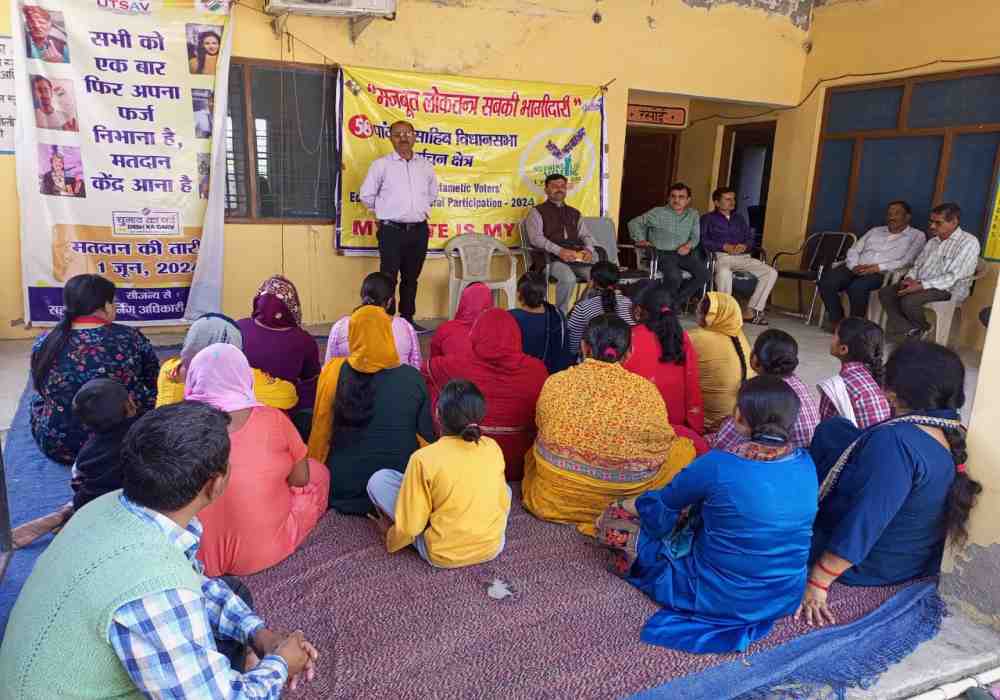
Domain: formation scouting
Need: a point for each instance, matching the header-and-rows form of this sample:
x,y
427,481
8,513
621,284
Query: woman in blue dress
x,y
893,494
740,561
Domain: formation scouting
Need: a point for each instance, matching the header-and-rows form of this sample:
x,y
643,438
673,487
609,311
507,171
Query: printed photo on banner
x,y
204,42
55,107
204,170
61,169
203,103
45,34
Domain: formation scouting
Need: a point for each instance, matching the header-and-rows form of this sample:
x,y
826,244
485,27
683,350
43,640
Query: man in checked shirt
x,y
942,271
117,605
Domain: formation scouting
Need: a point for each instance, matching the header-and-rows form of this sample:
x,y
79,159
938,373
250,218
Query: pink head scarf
x,y
220,376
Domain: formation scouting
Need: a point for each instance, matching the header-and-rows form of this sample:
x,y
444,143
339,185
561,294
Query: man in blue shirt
x,y
727,235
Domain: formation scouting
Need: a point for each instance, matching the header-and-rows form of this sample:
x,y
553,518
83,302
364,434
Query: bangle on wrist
x,y
827,571
816,584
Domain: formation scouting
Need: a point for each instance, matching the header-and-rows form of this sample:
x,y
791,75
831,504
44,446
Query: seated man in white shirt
x,y
942,271
881,251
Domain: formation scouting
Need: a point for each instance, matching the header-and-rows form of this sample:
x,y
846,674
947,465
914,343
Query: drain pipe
x,y
955,689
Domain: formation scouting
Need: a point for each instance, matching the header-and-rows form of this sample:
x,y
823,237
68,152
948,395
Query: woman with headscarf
x,y
603,434
370,411
275,494
509,379
207,330
275,342
378,289
723,356
453,336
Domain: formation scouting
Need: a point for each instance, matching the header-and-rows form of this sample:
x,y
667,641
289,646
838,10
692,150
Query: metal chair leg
x,y
6,534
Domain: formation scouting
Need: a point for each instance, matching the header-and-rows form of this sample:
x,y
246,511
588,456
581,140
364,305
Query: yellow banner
x,y
492,143
992,249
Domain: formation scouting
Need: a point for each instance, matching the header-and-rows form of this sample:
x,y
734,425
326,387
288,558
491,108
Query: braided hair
x,y
926,376
461,407
657,302
864,341
770,407
605,277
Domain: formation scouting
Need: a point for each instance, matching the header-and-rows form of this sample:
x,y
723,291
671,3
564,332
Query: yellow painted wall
x,y
659,47
851,38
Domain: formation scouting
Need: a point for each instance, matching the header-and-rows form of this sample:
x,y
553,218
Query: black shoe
x,y
417,327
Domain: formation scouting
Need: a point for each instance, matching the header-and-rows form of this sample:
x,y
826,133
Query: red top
x,y
678,384
509,379
454,336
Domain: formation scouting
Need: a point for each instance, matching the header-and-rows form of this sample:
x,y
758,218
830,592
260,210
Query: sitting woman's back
x,y
544,333
274,496
369,412
892,494
751,520
723,356
603,433
602,298
453,336
662,353
85,345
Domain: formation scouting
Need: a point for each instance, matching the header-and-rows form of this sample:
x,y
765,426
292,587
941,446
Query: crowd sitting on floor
x,y
720,486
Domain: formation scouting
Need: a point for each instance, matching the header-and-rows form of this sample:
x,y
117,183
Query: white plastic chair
x,y
944,311
876,314
475,251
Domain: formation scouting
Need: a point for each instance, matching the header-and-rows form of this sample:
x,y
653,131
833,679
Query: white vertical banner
x,y
120,147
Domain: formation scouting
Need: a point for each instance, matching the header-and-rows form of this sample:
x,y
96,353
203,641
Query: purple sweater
x,y
292,355
717,231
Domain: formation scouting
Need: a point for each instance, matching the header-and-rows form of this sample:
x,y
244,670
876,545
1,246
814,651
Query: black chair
x,y
819,252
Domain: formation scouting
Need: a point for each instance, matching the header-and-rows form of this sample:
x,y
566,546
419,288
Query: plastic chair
x,y
818,252
476,251
876,314
602,228
944,311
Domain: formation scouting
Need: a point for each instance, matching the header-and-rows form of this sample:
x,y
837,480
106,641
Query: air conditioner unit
x,y
333,8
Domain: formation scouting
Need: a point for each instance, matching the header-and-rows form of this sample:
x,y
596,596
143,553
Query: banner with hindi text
x,y
118,102
492,143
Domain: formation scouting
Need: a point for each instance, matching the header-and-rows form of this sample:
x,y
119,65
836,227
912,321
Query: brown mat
x,y
391,626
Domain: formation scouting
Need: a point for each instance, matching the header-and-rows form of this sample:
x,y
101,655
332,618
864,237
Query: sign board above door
x,y
661,116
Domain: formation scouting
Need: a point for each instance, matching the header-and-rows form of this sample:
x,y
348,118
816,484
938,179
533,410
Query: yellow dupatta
x,y
718,364
372,349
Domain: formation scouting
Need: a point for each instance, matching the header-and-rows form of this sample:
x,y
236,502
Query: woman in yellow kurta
x,y
603,434
208,330
723,356
453,501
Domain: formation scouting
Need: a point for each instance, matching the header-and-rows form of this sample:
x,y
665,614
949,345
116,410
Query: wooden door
x,y
646,173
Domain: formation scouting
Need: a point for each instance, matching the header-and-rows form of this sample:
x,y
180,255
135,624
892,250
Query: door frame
x,y
675,155
729,141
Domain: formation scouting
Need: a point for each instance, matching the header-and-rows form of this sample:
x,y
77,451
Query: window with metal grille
x,y
281,142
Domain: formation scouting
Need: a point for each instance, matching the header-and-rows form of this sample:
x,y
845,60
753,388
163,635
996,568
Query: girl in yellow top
x,y
452,503
723,356
208,330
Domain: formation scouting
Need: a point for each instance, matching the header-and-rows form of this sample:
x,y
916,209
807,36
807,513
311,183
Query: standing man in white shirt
x,y
399,189
882,250
942,271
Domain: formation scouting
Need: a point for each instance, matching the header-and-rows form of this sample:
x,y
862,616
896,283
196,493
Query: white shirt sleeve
x,y
372,184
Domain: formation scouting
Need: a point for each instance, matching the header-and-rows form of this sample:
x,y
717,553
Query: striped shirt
x,y
166,640
589,309
867,399
947,265
802,431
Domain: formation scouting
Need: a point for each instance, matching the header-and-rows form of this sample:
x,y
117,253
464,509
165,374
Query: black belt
x,y
406,226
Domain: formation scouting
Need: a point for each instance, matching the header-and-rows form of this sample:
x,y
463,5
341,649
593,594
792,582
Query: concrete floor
x,y
963,648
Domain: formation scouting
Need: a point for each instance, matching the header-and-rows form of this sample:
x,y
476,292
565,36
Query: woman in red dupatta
x,y
452,337
509,379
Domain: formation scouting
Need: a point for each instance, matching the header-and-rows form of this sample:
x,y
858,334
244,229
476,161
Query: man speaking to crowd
x,y
399,189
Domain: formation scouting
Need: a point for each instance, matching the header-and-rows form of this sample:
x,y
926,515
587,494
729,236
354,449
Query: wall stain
x,y
974,581
798,11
